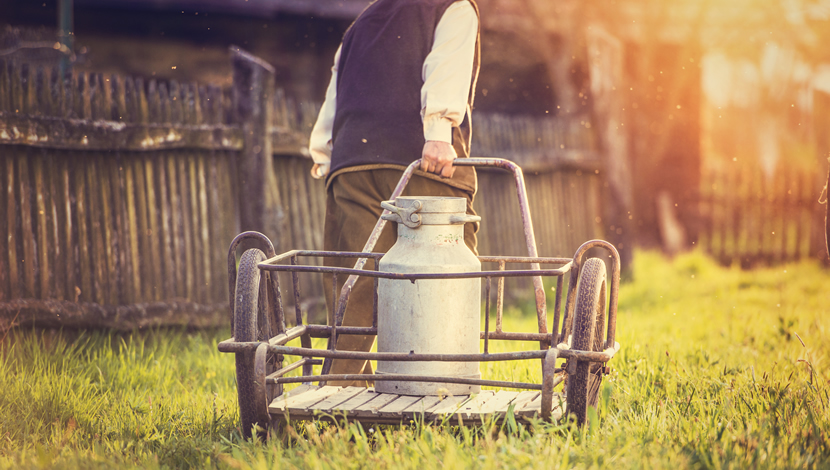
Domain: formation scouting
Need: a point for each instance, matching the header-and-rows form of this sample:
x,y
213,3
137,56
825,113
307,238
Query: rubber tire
x,y
588,335
246,310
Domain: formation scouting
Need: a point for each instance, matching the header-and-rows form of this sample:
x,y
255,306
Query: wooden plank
x,y
532,409
497,404
302,404
522,400
167,253
175,103
473,405
143,266
134,263
197,249
8,257
5,86
203,232
26,86
131,102
16,91
201,104
345,394
27,226
85,134
42,98
153,258
371,407
4,269
396,408
54,227
66,220
83,291
445,407
119,232
94,87
421,406
361,398
43,219
278,404
186,221
110,261
96,231
153,103
119,98
216,224
176,220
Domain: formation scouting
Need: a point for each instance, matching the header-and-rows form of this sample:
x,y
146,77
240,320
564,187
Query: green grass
x,y
720,368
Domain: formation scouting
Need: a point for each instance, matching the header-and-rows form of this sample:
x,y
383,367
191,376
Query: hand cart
x,y
261,338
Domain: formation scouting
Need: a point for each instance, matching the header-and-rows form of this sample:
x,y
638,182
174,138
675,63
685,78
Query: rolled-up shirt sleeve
x,y
448,71
319,144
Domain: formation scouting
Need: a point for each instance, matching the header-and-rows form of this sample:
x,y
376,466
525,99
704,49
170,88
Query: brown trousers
x,y
352,210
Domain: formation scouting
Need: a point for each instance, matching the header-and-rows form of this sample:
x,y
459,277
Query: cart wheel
x,y
248,308
588,335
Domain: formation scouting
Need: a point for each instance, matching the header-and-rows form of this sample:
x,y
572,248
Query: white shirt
x,y
447,75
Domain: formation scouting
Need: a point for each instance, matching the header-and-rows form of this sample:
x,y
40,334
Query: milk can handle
x,y
463,219
402,215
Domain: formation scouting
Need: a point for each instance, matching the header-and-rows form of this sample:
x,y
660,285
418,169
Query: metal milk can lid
x,y
414,211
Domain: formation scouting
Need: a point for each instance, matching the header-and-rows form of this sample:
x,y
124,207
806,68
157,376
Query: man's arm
x,y
447,75
319,144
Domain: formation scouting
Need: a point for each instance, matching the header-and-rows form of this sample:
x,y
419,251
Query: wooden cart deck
x,y
308,402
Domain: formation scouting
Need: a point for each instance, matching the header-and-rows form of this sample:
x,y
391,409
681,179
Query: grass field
x,y
720,368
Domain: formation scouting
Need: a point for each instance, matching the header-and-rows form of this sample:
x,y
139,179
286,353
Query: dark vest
x,y
378,107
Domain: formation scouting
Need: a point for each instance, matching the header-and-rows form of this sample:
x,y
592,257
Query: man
x,y
401,89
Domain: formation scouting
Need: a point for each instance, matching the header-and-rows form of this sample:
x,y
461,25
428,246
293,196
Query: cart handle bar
x,y
530,239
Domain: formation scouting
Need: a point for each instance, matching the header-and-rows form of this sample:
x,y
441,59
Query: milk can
x,y
429,316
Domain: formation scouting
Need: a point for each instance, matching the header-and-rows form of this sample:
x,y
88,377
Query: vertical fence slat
x,y
8,260
167,253
28,90
187,237
97,229
4,267
126,216
27,226
5,86
84,266
175,103
15,270
216,225
143,268
152,257
67,229
110,252
120,250
134,280
195,225
43,219
55,250
204,231
176,224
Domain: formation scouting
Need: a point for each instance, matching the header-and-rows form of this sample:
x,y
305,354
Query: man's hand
x,y
319,170
437,158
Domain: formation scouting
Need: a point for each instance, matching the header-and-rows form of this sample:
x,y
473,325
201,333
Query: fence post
x,y
253,92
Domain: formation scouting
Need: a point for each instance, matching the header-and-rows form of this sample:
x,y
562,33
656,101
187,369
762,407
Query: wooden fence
x,y
116,193
122,195
753,219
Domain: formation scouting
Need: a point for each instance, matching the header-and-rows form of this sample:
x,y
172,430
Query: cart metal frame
x,y
261,351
